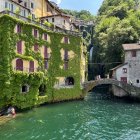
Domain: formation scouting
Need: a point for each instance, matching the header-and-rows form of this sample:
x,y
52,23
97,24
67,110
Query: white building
x,y
61,20
26,7
129,72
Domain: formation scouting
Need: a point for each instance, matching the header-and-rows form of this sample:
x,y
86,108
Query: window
x,y
52,19
133,53
19,47
12,8
18,28
25,89
46,64
25,4
24,13
19,64
33,16
124,70
35,33
65,65
32,5
66,55
45,52
6,5
66,40
36,47
45,36
31,66
138,81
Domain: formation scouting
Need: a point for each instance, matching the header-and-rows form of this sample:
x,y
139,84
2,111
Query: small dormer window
x,y
133,53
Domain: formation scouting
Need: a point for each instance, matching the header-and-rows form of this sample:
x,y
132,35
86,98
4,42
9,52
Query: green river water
x,y
96,118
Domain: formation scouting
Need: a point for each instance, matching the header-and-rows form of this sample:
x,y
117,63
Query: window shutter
x,y
19,64
18,28
19,47
66,54
65,65
45,37
36,47
66,40
46,64
31,66
35,33
45,52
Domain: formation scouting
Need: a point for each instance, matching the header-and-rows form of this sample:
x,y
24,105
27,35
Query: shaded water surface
x,y
96,118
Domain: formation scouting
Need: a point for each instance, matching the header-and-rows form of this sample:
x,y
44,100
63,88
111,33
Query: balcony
x,y
63,31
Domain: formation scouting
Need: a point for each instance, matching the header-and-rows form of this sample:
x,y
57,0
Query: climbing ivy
x,y
11,81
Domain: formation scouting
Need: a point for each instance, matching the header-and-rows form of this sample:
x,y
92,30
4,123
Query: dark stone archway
x,y
69,81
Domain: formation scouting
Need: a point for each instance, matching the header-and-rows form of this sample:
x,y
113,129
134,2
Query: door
x,y
124,79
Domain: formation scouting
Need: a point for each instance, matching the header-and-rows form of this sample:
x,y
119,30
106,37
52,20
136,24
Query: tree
x,y
118,22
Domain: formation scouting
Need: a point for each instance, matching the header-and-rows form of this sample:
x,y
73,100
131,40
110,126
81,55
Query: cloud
x,y
58,1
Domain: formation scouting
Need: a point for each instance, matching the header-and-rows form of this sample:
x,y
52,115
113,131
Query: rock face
x,y
120,89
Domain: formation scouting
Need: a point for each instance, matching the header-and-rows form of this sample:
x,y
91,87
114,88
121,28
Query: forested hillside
x,y
83,14
118,22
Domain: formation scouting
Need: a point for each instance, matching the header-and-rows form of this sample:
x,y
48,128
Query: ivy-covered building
x,y
39,65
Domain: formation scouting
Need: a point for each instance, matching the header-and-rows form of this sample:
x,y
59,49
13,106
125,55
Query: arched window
x,y
19,64
69,81
31,66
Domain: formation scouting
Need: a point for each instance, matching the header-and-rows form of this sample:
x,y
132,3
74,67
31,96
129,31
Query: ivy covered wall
x,y
11,81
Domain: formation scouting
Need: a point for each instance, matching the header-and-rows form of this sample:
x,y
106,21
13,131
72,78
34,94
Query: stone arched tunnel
x,y
121,89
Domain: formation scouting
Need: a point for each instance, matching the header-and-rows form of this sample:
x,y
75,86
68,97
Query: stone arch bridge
x,y
120,89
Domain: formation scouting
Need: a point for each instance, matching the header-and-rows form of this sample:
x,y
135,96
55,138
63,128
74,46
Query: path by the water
x,y
96,118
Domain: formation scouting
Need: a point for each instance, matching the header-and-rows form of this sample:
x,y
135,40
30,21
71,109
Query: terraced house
x,y
37,65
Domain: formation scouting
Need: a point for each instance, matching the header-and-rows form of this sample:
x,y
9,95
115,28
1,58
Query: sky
x,y
90,5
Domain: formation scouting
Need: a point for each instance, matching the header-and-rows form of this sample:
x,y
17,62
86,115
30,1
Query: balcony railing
x,y
40,24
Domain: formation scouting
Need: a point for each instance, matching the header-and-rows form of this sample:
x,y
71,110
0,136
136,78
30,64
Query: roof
x,y
134,46
54,5
62,15
118,66
20,5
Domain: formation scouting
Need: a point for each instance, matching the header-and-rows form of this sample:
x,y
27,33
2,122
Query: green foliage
x,y
49,24
118,22
83,14
11,81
